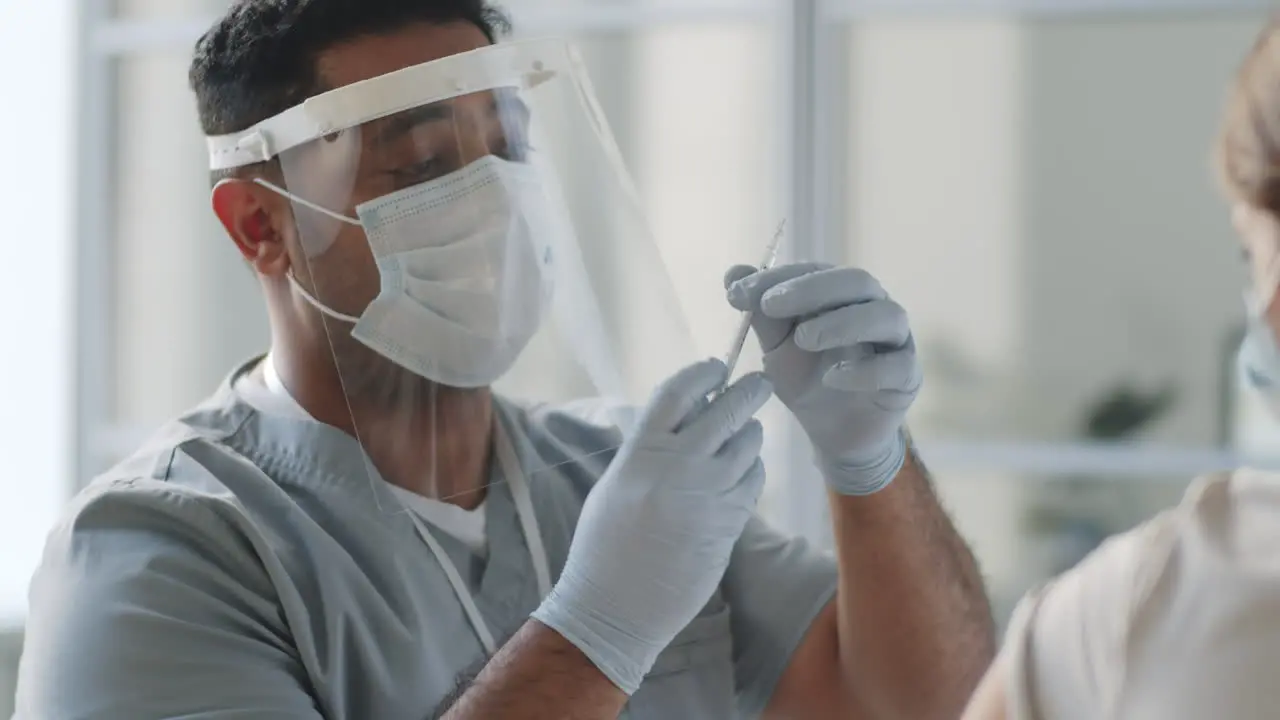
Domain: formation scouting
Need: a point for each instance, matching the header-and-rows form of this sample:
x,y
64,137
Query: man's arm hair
x,y
924,623
461,685
537,675
928,621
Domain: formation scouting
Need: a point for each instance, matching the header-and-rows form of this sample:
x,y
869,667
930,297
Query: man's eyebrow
x,y
406,120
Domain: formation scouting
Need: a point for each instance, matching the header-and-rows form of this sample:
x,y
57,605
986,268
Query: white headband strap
x,y
523,64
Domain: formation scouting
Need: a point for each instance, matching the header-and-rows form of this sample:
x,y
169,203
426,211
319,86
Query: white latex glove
x,y
656,532
841,356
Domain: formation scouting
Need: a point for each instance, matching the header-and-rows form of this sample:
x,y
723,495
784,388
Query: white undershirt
x,y
467,526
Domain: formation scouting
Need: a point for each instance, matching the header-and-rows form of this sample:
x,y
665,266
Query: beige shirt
x,y
1179,618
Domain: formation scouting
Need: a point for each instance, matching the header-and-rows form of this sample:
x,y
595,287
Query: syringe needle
x,y
740,340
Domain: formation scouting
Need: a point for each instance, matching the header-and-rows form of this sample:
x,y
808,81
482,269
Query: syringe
x,y
740,340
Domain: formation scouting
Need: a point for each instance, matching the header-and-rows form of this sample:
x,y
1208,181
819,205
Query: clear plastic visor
x,y
475,261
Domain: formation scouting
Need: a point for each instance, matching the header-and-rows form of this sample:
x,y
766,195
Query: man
x,y
357,527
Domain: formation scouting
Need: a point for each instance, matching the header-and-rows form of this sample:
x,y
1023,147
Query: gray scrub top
x,y
242,565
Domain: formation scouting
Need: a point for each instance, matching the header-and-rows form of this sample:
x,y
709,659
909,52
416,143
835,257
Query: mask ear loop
x,y
293,280
306,203
315,302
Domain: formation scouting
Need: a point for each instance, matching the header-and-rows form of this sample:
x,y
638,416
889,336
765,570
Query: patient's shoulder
x,y
1134,628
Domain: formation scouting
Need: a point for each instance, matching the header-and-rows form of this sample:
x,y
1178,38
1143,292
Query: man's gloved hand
x,y
841,357
656,532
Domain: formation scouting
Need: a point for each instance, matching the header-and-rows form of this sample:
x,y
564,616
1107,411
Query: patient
x,y
1179,618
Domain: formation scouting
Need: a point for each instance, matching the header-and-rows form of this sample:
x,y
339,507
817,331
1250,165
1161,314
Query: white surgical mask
x,y
1258,361
1259,358
465,268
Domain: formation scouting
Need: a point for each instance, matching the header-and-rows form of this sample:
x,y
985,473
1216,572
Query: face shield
x,y
462,228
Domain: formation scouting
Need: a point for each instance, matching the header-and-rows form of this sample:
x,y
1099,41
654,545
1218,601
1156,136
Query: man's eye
x,y
424,169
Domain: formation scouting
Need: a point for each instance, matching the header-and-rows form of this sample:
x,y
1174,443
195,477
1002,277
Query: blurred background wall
x,y
1029,178
38,58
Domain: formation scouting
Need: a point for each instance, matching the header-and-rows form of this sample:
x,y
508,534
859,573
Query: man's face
x,y
380,158
361,164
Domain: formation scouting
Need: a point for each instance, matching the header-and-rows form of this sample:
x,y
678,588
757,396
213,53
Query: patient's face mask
x,y
1259,357
464,263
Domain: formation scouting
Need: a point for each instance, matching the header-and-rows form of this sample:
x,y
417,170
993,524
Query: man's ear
x,y
256,219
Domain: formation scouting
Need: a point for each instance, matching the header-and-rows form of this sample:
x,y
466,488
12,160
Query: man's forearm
x,y
538,675
915,625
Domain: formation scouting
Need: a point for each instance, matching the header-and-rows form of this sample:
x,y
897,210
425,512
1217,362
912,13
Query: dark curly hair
x,y
259,59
